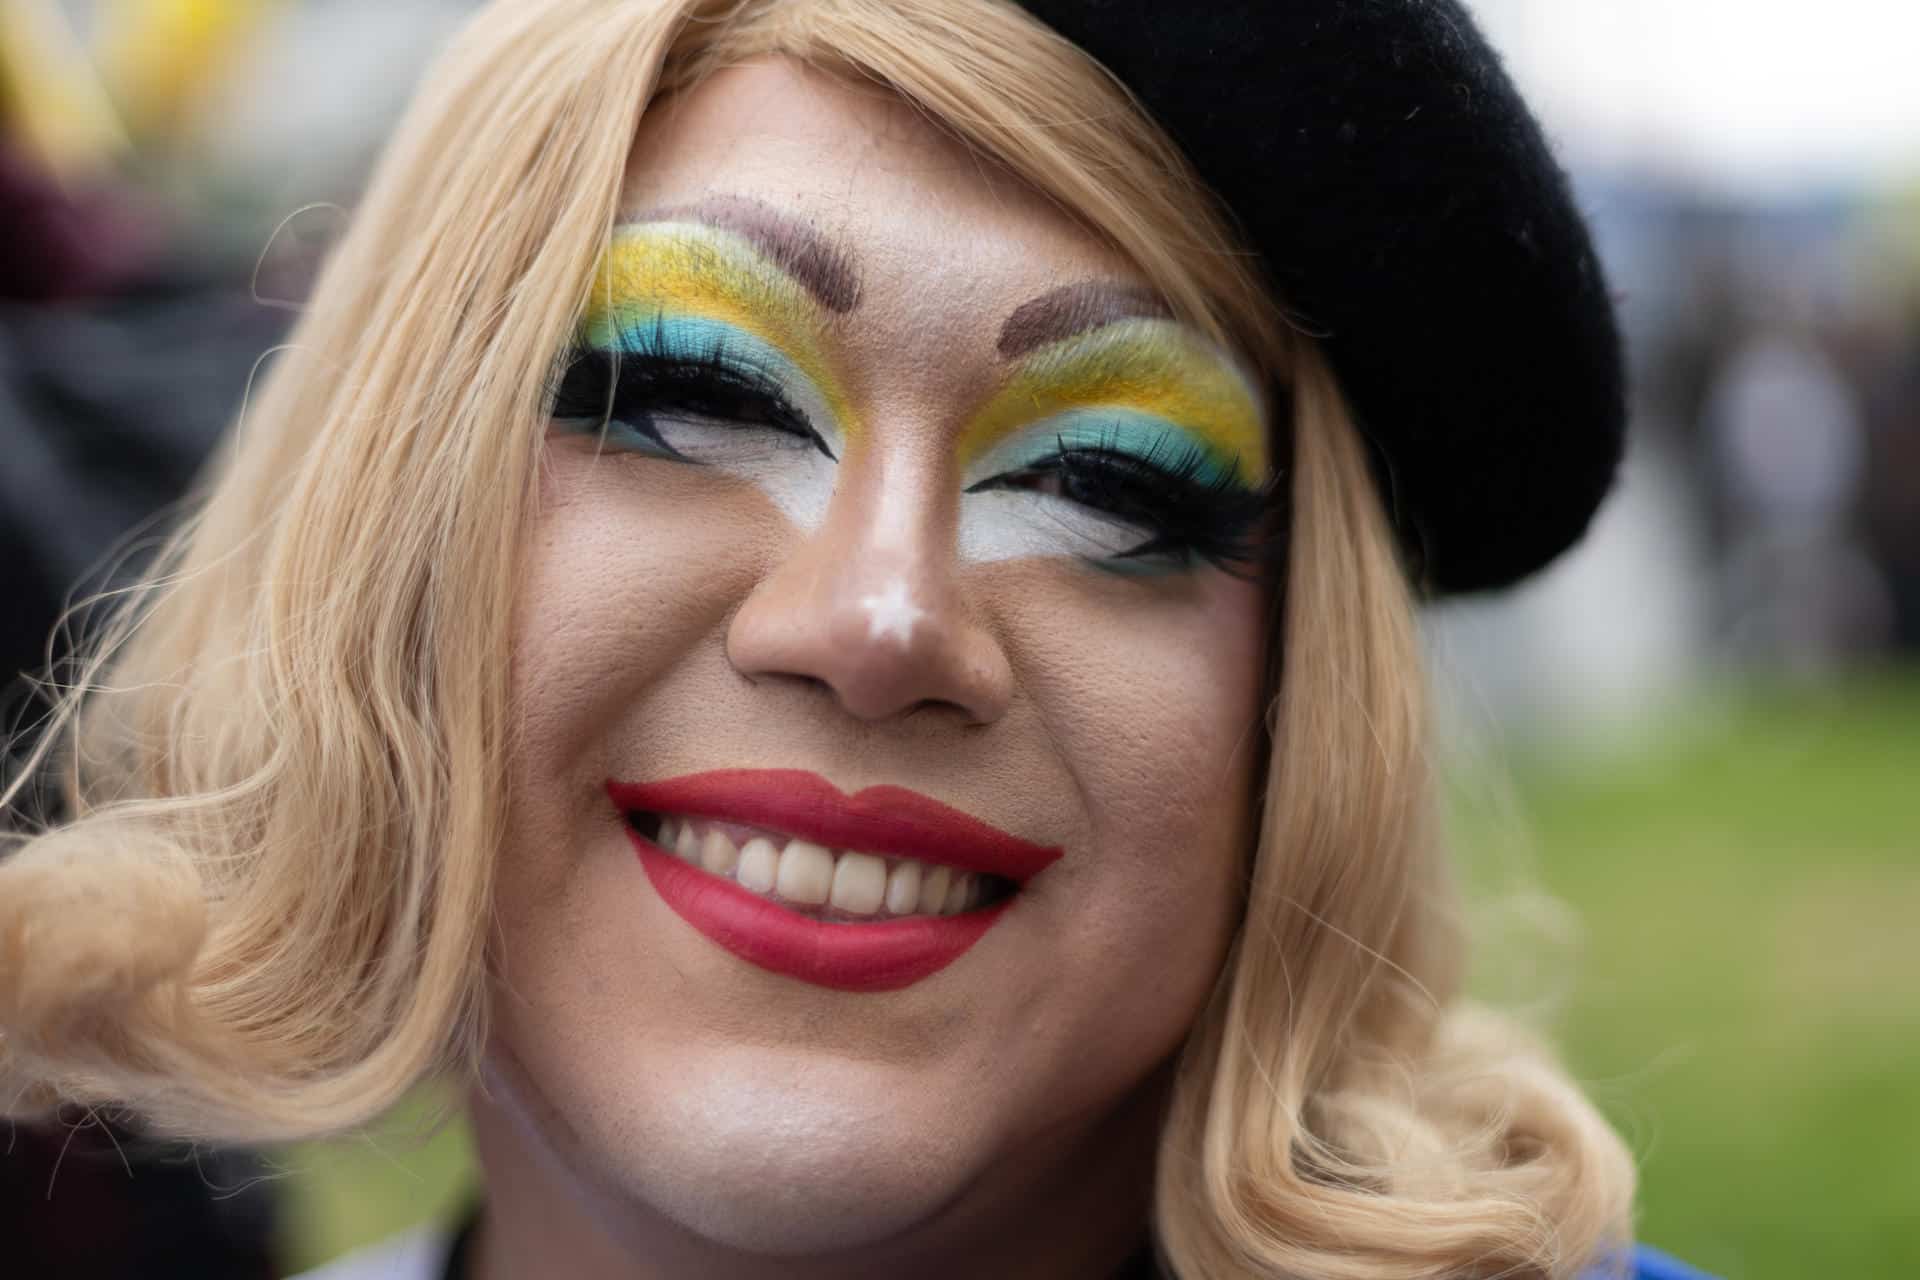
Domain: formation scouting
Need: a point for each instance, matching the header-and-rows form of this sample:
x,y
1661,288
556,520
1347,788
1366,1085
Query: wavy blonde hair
x,y
264,917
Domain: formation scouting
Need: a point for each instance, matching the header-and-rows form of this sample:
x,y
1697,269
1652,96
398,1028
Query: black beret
x,y
1410,215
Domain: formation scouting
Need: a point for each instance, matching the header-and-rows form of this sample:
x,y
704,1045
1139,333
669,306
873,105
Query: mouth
x,y
868,892
842,886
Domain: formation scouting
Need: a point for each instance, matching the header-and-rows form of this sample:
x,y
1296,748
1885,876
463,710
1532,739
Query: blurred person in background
x,y
1789,437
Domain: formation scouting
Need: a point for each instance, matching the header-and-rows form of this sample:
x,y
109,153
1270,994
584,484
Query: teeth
x,y
859,883
933,889
759,865
717,853
806,874
903,887
957,894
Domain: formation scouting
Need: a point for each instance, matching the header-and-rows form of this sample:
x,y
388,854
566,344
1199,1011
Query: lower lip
x,y
882,956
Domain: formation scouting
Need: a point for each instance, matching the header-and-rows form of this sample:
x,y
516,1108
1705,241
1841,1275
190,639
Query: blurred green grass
x,y
1743,999
1747,998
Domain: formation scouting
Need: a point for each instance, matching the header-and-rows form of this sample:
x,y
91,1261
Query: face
x,y
887,719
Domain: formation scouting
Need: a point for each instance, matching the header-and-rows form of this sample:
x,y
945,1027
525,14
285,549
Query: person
x,y
820,613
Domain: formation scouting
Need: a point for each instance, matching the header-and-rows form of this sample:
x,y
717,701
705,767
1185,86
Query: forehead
x,y
930,225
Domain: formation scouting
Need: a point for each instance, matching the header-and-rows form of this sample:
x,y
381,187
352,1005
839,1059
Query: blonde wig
x,y
264,915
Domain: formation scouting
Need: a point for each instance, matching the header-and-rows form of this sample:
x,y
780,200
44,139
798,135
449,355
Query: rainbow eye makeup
x,y
691,283
1118,436
1149,368
701,271
1135,444
698,346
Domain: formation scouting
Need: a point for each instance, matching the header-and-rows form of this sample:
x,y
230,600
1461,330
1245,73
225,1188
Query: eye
x,y
1183,505
702,406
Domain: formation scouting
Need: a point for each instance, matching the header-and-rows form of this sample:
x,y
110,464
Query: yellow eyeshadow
x,y
693,270
1149,365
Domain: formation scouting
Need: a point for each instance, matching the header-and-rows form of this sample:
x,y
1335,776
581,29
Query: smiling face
x,y
910,487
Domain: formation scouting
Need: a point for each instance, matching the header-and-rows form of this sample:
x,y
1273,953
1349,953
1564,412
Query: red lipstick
x,y
874,956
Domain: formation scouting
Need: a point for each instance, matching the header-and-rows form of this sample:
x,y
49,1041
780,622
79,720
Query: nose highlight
x,y
887,634
891,613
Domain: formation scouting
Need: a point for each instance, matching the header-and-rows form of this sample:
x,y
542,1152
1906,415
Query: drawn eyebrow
x,y
1075,309
821,268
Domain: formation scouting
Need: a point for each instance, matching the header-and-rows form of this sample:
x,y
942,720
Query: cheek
x,y
1152,695
1153,705
629,566
625,579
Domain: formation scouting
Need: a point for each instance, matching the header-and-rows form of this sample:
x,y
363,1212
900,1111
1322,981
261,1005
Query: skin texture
x,y
654,1105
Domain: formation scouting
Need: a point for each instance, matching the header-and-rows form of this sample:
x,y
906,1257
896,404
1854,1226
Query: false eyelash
x,y
1194,514
592,383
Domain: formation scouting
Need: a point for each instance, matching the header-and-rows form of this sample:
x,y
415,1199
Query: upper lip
x,y
880,820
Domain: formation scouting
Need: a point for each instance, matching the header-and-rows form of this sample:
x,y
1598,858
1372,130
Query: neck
x,y
1072,1203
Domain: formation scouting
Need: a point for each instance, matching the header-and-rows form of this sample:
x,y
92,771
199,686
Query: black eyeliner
x,y
1176,491
643,377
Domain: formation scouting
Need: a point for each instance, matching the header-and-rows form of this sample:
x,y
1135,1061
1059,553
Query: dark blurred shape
x,y
1888,355
65,245
116,377
107,410
91,1201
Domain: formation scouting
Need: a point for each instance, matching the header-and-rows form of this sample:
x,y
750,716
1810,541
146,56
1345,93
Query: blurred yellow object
x,y
160,56
49,92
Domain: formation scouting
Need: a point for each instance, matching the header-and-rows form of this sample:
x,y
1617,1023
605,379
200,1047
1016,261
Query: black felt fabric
x,y
1410,214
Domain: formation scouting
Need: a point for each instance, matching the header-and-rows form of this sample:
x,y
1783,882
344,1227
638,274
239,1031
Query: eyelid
x,y
1155,368
1142,436
696,337
694,270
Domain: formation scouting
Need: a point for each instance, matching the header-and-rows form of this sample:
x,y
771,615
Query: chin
x,y
767,1152
852,1195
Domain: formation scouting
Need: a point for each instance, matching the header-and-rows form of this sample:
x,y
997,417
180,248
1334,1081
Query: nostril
x,y
787,679
943,707
832,692
812,685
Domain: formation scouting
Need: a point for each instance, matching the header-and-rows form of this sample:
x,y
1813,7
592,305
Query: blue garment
x,y
1651,1264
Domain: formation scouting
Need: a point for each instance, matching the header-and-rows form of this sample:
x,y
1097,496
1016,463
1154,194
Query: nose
x,y
868,606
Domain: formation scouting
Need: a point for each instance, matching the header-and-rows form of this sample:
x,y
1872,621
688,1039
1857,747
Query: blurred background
x,y
1685,762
